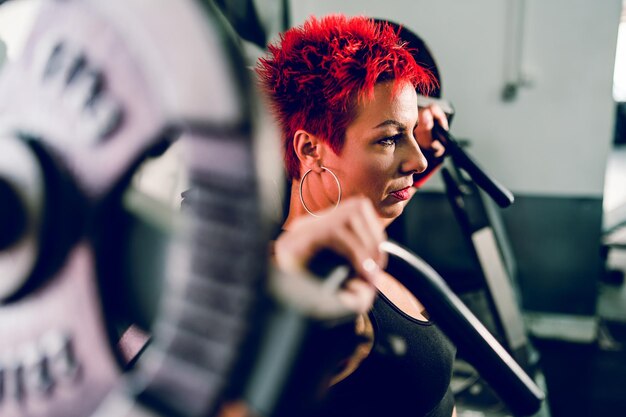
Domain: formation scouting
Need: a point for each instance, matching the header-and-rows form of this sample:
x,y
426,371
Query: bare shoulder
x,y
402,298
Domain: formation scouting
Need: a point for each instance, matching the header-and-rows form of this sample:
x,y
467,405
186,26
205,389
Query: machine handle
x,y
501,195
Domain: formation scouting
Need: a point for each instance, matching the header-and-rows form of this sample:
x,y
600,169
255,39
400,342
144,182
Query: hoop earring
x,y
302,199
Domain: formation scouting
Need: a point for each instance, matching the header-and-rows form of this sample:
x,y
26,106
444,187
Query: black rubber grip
x,y
500,194
325,262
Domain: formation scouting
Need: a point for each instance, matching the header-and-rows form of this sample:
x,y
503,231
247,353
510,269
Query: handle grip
x,y
501,195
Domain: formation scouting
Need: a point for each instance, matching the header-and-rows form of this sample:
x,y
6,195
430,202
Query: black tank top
x,y
407,373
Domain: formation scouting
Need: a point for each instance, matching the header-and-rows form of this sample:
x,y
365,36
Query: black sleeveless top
x,y
407,373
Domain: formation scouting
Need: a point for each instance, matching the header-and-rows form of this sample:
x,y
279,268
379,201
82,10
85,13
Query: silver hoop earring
x,y
302,198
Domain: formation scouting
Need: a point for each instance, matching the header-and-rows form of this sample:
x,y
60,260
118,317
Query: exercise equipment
x,y
494,291
99,88
256,21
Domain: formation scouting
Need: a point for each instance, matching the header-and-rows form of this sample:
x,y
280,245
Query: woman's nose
x,y
414,160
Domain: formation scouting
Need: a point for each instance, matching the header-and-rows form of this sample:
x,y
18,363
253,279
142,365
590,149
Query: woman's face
x,y
380,153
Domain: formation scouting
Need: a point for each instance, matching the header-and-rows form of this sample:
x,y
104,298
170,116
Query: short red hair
x,y
317,73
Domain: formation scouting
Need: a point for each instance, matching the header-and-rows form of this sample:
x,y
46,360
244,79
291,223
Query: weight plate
x,y
98,88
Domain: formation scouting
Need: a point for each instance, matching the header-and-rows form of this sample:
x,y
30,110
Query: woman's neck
x,y
295,206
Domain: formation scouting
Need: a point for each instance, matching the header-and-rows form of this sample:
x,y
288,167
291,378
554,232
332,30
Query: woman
x,y
344,94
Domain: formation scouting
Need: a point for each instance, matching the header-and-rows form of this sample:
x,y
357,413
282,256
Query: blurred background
x,y
539,93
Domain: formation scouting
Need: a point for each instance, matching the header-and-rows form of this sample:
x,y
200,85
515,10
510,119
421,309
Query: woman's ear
x,y
308,148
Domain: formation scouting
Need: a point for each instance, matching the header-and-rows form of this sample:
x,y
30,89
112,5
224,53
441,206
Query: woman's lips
x,y
402,194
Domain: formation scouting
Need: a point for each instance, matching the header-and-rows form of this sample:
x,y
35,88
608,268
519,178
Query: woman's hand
x,y
423,131
352,230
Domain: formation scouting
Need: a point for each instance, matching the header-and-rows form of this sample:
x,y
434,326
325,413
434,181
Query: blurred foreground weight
x,y
99,87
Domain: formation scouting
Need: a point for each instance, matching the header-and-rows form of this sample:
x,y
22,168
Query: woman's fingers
x,y
423,132
439,115
366,225
437,148
353,231
363,258
357,295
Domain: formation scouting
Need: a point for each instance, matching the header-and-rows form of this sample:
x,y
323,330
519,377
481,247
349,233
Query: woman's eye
x,y
390,141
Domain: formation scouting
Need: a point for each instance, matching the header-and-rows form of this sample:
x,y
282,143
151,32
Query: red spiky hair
x,y
317,73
